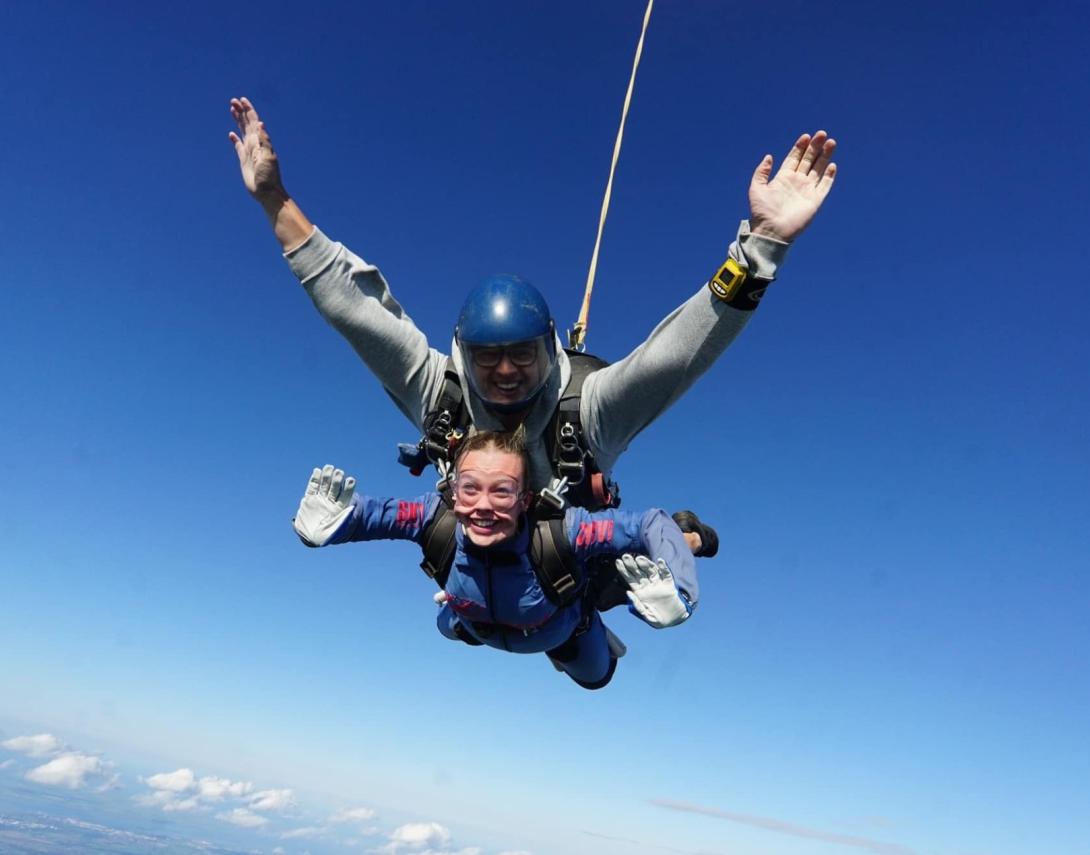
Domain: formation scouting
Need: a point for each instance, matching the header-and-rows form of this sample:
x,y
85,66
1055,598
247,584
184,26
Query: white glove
x,y
652,591
325,507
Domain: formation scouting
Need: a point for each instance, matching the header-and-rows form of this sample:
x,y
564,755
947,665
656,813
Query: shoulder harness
x,y
572,461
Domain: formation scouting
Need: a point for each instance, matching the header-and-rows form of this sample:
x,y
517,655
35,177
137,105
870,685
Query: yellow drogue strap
x,y
579,331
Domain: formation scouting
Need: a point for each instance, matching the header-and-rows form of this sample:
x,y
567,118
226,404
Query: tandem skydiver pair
x,y
508,371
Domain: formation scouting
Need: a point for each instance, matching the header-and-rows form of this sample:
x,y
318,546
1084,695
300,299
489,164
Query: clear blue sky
x,y
890,653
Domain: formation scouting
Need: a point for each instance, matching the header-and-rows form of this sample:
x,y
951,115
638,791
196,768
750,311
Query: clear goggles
x,y
503,494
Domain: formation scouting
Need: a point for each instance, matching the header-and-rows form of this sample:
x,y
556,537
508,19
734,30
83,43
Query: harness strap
x,y
554,562
444,423
439,543
567,445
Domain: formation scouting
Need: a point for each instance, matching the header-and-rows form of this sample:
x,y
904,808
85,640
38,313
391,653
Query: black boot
x,y
709,540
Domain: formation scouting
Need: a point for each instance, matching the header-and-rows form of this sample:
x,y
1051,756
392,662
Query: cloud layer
x,y
67,770
267,812
66,767
39,745
182,790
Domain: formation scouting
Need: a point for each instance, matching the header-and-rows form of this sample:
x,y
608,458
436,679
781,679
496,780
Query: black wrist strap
x,y
734,286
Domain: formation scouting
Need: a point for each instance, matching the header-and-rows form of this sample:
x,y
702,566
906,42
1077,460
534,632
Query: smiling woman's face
x,y
489,495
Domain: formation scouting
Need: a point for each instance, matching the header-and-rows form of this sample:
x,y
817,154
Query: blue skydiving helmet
x,y
507,340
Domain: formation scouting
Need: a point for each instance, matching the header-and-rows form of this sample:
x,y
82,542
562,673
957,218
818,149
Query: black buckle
x,y
570,455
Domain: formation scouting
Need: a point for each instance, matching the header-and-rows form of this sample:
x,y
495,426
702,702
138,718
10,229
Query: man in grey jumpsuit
x,y
617,401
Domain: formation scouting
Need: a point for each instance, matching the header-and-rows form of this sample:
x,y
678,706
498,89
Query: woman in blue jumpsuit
x,y
492,595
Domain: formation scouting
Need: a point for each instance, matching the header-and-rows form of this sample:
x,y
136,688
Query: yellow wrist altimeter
x,y
732,284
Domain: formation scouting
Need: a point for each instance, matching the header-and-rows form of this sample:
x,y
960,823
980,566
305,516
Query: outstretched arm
x,y
350,293
621,400
332,512
261,175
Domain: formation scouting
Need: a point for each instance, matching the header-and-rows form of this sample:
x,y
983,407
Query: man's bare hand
x,y
782,207
256,158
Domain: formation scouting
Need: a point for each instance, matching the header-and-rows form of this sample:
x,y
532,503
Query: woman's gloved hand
x,y
651,591
326,506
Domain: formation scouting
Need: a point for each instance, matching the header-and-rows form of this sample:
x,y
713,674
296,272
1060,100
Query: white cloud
x,y
180,790
39,745
70,769
6,764
421,834
177,781
307,831
154,799
468,850
173,803
243,817
420,838
213,789
360,814
516,852
167,800
272,800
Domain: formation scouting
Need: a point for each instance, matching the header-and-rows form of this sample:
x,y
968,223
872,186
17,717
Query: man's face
x,y
489,495
509,374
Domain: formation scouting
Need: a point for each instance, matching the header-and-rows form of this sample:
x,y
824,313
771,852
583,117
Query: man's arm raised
x,y
621,400
350,294
261,175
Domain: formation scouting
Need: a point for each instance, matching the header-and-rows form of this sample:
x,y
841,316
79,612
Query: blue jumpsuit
x,y
494,594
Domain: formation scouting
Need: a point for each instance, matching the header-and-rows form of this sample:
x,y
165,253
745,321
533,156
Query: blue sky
x,y
890,653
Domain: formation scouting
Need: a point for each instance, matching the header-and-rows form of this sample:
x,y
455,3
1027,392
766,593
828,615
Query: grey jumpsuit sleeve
x,y
621,400
354,298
